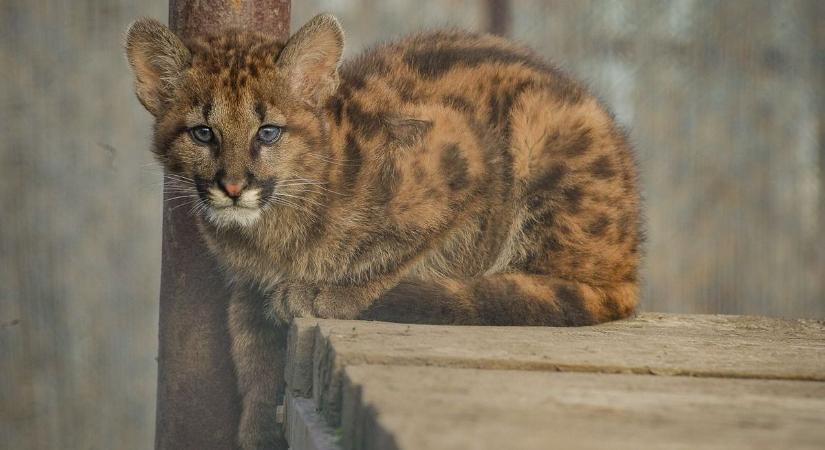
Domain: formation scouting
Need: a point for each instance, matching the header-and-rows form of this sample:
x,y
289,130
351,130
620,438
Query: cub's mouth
x,y
230,205
228,202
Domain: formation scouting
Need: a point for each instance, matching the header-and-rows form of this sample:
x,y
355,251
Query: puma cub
x,y
447,178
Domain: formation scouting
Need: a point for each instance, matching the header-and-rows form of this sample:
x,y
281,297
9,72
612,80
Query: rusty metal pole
x,y
197,401
499,17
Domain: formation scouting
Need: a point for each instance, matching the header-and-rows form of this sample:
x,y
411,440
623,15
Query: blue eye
x,y
202,134
268,134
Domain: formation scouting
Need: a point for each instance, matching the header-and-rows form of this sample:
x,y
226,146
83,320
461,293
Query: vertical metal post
x,y
197,402
499,17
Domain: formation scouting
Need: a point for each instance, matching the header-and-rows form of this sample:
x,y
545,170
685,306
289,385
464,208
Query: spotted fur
x,y
449,177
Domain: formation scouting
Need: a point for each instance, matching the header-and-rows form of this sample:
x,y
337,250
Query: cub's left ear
x,y
311,57
157,58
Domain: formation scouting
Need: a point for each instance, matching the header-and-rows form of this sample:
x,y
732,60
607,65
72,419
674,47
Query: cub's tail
x,y
505,299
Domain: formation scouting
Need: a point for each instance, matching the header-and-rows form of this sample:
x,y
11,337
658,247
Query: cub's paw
x,y
291,300
340,303
259,431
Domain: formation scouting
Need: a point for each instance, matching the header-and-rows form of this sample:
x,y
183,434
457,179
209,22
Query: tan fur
x,y
446,178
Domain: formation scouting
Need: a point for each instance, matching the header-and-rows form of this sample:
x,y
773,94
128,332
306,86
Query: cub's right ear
x,y
157,58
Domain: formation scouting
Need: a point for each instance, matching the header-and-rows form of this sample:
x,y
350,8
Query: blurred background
x,y
724,101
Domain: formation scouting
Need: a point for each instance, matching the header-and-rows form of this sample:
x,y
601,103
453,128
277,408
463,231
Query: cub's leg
x,y
258,350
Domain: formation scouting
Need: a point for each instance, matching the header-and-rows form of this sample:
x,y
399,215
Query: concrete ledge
x,y
329,361
395,407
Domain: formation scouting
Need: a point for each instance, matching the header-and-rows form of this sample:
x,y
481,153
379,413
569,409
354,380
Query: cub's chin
x,y
229,216
223,211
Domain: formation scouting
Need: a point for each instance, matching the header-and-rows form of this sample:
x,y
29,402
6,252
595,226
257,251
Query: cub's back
x,y
465,71
562,181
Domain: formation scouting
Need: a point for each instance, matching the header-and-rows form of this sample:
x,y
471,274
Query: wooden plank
x,y
661,344
404,407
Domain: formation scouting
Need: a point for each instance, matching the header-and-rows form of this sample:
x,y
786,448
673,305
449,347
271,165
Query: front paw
x,y
258,429
291,300
338,304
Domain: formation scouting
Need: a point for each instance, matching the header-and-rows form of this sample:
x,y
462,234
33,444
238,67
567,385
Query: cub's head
x,y
238,123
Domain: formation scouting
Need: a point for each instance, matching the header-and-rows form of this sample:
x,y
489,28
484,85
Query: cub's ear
x,y
157,58
311,57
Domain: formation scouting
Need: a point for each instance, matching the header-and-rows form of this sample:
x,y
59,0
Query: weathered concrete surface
x,y
305,429
435,408
745,382
299,356
695,345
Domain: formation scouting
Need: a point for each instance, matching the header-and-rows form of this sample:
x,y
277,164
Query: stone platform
x,y
655,381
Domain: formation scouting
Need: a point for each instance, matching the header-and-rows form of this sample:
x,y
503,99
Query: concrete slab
x,y
435,408
661,344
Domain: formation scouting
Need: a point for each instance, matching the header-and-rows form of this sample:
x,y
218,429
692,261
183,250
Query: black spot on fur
x,y
352,166
572,306
406,89
356,72
573,198
549,180
260,111
387,184
612,307
255,148
501,104
433,63
457,103
599,226
542,219
367,123
602,168
344,92
454,166
176,166
569,145
363,66
579,144
356,81
206,110
534,201
336,106
554,244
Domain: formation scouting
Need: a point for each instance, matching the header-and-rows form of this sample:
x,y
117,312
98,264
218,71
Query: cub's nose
x,y
233,189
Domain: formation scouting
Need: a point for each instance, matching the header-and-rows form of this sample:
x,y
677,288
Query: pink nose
x,y
233,189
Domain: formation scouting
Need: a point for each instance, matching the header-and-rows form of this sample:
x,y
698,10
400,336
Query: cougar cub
x,y
447,178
